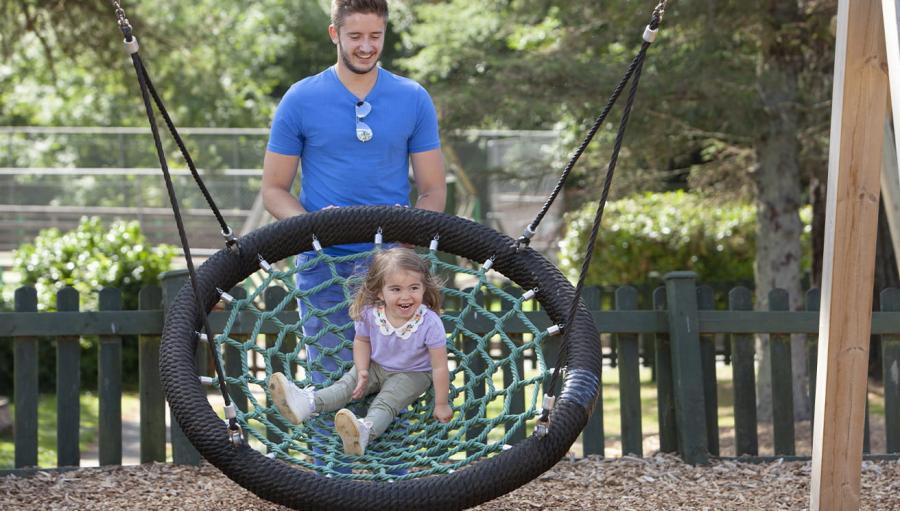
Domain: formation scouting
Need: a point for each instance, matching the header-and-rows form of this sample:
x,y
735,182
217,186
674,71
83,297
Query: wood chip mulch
x,y
638,484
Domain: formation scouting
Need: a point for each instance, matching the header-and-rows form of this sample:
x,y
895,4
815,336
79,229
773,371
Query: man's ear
x,y
333,33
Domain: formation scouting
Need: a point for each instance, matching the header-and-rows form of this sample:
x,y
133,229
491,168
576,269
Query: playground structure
x,y
860,94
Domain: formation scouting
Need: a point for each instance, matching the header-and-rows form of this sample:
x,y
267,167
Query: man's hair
x,y
340,9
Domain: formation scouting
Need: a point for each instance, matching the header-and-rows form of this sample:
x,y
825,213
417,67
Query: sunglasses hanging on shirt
x,y
363,131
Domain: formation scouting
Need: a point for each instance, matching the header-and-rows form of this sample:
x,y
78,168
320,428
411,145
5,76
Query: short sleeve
x,y
425,136
435,334
286,135
362,325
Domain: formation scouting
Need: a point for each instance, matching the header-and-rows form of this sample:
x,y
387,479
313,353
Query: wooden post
x,y
665,395
854,164
68,386
687,379
782,380
183,452
153,403
706,300
109,385
25,386
629,379
743,371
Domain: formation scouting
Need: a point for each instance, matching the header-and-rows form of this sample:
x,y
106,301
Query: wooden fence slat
x,y
690,407
183,452
706,300
68,386
516,399
25,386
477,367
743,370
629,379
890,360
782,381
109,386
235,360
153,406
665,392
273,297
593,436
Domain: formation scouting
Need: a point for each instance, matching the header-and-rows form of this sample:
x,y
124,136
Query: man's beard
x,y
345,58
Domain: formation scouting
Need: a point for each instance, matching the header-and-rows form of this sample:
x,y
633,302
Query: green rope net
x,y
496,377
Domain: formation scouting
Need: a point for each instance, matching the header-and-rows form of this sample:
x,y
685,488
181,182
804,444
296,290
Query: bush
x,y
644,237
87,258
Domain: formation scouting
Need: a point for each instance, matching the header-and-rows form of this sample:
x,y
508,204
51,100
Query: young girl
x,y
400,349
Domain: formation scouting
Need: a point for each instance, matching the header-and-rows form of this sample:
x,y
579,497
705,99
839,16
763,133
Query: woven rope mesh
x,y
496,376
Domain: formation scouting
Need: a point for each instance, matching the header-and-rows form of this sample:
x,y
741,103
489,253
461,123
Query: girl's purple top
x,y
403,349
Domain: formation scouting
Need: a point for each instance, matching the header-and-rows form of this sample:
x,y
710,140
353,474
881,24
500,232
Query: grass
x,y
47,428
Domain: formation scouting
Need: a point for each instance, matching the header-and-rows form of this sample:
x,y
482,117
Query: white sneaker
x,y
354,432
294,403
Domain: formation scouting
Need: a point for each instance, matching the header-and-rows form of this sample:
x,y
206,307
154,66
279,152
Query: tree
x,y
733,101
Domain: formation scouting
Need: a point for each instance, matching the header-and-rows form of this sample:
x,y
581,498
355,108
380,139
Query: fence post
x,y
109,385
782,381
153,404
743,355
629,378
665,394
690,408
593,438
68,386
25,386
890,359
706,301
183,453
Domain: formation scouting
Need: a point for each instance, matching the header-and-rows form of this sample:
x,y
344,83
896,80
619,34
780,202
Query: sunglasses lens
x,y
363,108
363,132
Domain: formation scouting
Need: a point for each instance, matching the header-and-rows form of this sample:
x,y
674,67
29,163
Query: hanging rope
x,y
147,90
633,73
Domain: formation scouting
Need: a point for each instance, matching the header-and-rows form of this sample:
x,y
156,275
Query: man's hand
x,y
443,413
362,383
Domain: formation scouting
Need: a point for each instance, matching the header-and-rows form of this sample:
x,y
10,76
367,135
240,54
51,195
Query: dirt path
x,y
660,482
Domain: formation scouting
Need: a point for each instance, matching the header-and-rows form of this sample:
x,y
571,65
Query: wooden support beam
x,y
890,171
854,166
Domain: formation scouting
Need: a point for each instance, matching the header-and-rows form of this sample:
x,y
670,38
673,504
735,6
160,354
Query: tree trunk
x,y
779,192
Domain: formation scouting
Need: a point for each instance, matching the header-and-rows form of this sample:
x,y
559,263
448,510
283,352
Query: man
x,y
356,129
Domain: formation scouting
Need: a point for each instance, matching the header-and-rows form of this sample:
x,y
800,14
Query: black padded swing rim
x,y
285,484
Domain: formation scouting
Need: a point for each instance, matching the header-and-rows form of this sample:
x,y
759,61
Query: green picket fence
x,y
676,335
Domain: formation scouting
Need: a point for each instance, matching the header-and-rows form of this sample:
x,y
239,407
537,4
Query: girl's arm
x,y
362,351
440,376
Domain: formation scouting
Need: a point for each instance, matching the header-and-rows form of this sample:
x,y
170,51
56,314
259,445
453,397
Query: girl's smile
x,y
402,294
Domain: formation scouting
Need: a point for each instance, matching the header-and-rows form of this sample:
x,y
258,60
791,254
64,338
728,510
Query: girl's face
x,y
402,294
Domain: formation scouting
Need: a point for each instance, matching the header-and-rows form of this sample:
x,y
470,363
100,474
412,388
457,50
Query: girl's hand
x,y
362,383
443,413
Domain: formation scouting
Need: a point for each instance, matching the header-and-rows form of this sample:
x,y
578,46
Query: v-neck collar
x,y
403,331
356,99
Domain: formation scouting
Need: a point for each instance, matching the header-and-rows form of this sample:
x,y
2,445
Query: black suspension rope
x,y
143,81
230,238
634,72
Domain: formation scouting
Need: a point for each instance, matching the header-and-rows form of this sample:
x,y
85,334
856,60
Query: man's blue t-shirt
x,y
316,120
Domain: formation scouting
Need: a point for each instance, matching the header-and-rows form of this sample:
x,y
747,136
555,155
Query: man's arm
x,y
279,171
431,182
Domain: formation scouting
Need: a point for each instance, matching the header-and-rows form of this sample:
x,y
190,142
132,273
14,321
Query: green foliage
x,y
643,237
90,258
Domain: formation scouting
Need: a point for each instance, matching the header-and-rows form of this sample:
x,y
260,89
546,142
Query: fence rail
x,y
682,337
